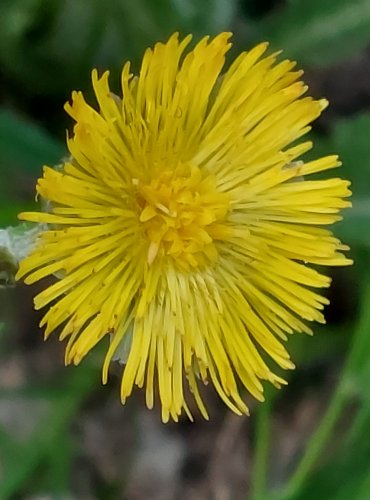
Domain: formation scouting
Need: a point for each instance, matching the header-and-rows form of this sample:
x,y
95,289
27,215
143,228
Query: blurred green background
x,y
61,434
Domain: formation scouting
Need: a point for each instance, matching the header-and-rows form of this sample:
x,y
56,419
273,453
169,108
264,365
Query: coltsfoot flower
x,y
185,228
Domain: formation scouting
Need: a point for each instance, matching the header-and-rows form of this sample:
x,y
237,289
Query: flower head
x,y
184,227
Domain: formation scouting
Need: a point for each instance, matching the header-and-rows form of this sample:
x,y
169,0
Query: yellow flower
x,y
184,228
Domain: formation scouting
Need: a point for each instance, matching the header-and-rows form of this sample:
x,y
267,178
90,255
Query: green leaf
x,y
60,464
344,478
51,46
23,460
25,146
142,23
351,461
346,475
16,18
318,32
42,42
350,139
209,16
350,452
24,149
358,364
8,446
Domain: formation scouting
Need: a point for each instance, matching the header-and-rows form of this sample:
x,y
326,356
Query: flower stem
x,y
260,462
344,391
317,443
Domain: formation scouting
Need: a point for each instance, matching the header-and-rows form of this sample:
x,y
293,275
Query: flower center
x,y
182,214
